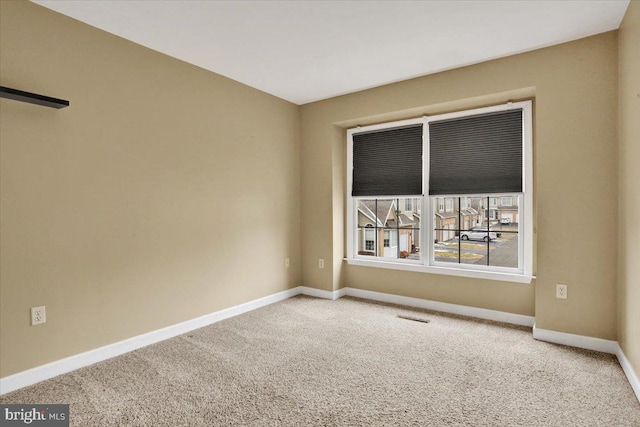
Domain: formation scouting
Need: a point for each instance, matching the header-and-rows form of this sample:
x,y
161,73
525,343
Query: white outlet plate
x,y
320,263
286,262
561,291
38,315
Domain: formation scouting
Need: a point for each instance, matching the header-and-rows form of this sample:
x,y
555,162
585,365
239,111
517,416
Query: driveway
x,y
503,251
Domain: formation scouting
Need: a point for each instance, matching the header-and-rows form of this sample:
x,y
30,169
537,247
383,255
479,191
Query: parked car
x,y
505,220
478,233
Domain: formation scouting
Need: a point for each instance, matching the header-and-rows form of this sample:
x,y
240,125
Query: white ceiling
x,y
304,51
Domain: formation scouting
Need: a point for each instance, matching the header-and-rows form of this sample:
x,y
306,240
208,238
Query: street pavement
x,y
503,252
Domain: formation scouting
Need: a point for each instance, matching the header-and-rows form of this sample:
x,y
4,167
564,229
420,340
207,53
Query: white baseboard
x,y
62,366
320,293
463,310
571,340
591,343
629,372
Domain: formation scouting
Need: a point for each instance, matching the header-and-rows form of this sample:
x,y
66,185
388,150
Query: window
x,y
473,238
408,206
449,203
398,230
369,237
469,172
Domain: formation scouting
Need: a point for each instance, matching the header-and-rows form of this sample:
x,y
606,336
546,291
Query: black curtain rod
x,y
32,98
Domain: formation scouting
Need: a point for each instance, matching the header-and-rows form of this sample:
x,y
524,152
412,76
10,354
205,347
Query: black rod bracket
x,y
32,98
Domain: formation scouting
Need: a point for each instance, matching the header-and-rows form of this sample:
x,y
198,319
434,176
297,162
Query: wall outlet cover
x,y
561,291
38,315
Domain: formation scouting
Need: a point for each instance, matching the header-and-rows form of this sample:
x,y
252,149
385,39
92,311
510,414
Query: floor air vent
x,y
415,319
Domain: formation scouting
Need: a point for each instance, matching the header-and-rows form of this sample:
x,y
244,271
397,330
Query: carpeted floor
x,y
313,362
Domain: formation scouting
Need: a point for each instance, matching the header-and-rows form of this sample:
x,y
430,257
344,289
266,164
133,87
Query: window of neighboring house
x,y
408,204
449,203
465,235
369,238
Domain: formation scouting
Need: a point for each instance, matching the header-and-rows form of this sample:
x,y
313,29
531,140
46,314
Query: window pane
x,y
480,230
474,235
471,212
366,227
390,249
409,244
409,227
508,214
445,223
505,253
446,229
389,228
366,213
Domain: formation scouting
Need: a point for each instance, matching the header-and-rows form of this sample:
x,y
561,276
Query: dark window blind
x,y
388,162
476,154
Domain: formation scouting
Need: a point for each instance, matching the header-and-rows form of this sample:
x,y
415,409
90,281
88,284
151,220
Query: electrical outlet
x,y
320,263
286,262
38,315
561,291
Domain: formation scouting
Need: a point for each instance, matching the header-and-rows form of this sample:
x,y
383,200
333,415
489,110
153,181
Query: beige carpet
x,y
313,362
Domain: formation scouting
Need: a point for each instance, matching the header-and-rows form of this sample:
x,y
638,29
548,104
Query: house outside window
x,y
484,230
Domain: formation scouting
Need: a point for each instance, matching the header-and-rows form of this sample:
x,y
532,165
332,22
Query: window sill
x,y
475,274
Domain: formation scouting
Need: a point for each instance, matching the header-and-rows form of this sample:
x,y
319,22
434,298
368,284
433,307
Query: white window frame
x,y
426,263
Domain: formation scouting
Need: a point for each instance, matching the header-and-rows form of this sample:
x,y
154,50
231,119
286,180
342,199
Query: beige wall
x,y
629,200
164,192
575,166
